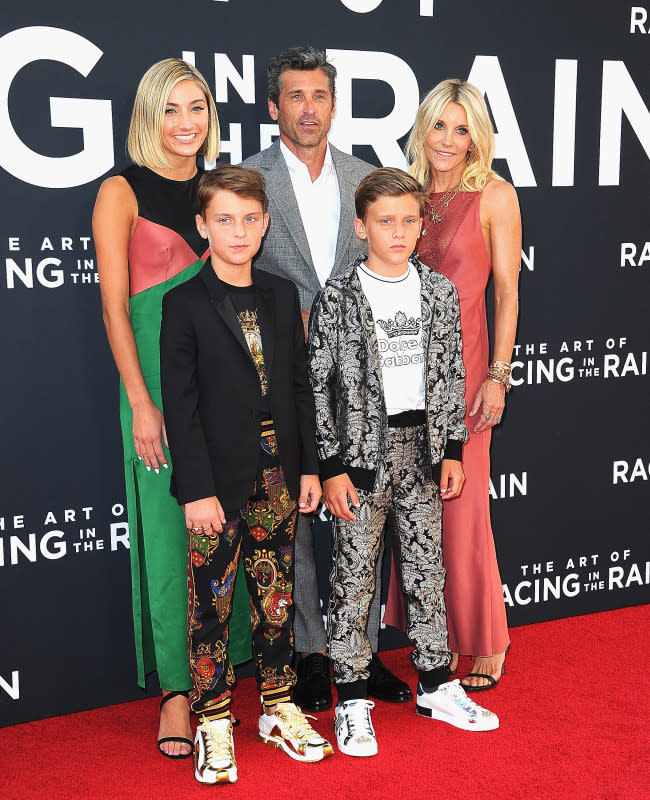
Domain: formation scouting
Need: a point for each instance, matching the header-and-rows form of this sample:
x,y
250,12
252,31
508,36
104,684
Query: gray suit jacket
x,y
285,250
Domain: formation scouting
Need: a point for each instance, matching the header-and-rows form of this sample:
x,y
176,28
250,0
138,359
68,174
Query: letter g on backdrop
x,y
22,47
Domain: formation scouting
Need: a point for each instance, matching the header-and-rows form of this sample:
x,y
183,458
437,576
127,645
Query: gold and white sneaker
x,y
214,752
288,730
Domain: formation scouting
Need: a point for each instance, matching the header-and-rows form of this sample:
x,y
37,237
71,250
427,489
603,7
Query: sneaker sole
x,y
346,751
281,744
464,726
220,777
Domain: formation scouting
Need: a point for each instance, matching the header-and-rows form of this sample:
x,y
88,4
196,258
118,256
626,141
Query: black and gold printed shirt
x,y
244,300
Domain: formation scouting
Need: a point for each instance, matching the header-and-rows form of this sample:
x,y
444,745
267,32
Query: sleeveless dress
x,y
476,616
164,251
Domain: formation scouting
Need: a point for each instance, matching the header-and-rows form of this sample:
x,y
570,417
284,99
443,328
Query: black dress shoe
x,y
383,685
313,690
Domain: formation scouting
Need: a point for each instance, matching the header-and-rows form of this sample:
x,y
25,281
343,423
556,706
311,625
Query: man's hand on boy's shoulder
x,y
204,514
452,478
336,491
310,493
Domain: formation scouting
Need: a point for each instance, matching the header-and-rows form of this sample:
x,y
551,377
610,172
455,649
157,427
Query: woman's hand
x,y
490,400
205,514
148,431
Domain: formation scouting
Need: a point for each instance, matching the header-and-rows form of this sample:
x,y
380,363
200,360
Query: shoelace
x,y
359,719
295,722
465,702
218,745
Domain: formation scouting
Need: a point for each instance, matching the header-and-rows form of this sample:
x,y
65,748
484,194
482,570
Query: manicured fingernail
x,y
148,468
165,466
139,458
302,505
156,470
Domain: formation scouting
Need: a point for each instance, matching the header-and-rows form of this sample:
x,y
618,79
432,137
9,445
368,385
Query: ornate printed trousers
x,y
413,503
262,532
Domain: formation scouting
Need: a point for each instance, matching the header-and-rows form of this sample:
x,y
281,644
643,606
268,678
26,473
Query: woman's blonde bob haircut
x,y
479,159
145,142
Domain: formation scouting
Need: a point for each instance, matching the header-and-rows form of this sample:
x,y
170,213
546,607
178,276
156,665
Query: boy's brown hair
x,y
386,182
232,178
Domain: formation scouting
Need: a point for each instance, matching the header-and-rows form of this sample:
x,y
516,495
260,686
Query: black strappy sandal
x,y
181,739
491,682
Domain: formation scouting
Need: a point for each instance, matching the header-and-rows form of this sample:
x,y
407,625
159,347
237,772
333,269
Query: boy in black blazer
x,y
240,420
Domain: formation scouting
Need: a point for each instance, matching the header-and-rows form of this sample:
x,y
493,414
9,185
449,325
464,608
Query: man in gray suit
x,y
310,186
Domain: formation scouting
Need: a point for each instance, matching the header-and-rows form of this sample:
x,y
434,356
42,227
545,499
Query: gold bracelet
x,y
498,377
502,366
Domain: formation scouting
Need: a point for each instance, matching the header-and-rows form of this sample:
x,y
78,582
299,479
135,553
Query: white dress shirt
x,y
319,203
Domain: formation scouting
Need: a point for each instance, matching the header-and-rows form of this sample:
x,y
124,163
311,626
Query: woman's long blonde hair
x,y
144,143
478,170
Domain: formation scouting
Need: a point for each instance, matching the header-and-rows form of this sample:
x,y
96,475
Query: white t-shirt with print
x,y
397,312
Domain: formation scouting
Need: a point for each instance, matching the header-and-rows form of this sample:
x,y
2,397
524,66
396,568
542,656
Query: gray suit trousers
x,y
308,626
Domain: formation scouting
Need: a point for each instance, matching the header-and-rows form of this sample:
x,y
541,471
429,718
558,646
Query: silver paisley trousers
x,y
411,500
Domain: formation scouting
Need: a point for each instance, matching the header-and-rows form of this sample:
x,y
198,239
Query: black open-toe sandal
x,y
181,739
491,682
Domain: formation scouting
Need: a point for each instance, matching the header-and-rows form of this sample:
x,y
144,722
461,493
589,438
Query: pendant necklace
x,y
438,209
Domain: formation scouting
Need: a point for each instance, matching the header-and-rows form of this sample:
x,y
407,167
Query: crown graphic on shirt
x,y
400,326
248,320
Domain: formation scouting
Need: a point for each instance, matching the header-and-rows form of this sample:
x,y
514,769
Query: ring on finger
x,y
486,415
497,420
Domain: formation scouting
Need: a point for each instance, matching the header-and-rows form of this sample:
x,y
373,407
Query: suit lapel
x,y
279,186
427,303
266,319
223,305
347,189
367,321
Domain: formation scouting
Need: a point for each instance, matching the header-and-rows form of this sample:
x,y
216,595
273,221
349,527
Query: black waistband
x,y
407,419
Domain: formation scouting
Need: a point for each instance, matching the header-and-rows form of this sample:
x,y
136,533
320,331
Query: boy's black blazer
x,y
211,389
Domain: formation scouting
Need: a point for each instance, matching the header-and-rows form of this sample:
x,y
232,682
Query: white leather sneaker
x,y
449,703
355,734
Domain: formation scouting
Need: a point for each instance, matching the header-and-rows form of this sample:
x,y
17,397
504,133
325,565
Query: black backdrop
x,y
569,90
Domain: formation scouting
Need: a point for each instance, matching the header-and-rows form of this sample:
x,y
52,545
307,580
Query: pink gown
x,y
476,616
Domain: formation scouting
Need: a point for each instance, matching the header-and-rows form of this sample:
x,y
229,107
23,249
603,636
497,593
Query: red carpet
x,y
574,724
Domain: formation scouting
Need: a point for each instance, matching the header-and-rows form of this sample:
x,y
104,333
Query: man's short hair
x,y
386,182
232,178
304,57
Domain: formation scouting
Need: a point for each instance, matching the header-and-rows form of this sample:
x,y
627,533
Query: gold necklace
x,y
438,209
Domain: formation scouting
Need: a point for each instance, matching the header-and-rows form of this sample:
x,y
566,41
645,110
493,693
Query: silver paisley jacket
x,y
346,378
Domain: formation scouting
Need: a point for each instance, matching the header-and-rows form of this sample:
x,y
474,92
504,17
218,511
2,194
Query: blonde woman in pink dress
x,y
471,229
